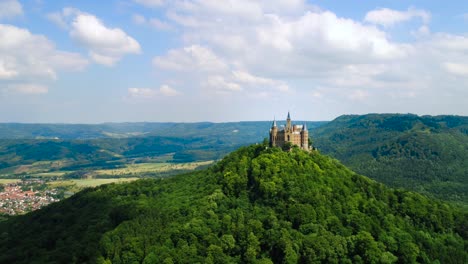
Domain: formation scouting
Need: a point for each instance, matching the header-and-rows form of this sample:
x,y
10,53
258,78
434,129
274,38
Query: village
x,y
25,196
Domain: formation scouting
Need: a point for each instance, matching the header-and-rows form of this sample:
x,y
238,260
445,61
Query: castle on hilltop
x,y
295,134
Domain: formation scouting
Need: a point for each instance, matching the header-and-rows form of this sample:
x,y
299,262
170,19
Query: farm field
x,y
7,181
83,183
142,168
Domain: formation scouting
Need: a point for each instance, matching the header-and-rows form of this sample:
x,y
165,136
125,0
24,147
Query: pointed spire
x,y
304,127
274,122
289,116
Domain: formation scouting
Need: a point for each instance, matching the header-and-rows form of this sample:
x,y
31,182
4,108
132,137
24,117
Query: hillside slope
x,y
428,154
258,205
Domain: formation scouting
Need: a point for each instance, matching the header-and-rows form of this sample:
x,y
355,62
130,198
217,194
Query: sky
x,y
93,61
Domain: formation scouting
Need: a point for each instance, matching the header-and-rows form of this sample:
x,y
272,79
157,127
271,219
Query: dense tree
x,y
428,154
258,205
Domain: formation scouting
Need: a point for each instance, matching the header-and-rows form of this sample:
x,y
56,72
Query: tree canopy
x,y
257,205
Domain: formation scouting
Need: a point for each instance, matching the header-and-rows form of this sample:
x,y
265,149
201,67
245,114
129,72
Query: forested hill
x,y
428,154
257,205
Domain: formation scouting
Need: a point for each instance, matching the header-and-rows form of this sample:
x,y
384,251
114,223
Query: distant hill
x,y
428,154
102,146
255,130
257,205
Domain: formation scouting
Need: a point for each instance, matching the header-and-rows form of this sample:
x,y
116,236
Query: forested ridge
x,y
428,154
257,205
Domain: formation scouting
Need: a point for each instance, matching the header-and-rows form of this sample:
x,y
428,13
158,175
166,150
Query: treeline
x,y
258,205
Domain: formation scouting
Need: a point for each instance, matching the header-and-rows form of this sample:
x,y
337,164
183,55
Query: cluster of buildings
x,y
15,200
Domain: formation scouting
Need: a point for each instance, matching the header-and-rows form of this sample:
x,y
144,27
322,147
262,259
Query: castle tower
x,y
273,133
305,137
288,123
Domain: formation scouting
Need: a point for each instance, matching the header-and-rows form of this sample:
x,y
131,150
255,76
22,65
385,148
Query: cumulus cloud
x,y
388,17
273,47
10,9
148,93
106,45
241,41
214,73
24,55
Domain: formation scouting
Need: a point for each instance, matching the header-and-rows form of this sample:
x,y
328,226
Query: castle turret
x,y
305,137
288,123
273,133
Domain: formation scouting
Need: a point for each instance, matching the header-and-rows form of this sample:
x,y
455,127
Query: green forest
x,y
428,154
257,205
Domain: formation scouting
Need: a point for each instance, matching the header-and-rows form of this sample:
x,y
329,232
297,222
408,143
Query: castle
x,y
295,134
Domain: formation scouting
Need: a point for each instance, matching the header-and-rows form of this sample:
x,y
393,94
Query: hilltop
x,y
257,205
428,154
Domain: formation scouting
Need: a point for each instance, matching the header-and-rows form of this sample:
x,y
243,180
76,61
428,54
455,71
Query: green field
x,y
135,169
77,185
7,181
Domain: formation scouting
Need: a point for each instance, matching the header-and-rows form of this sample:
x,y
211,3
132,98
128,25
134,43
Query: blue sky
x,y
209,60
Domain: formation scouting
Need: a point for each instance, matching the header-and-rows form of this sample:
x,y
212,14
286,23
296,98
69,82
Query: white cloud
x,y
150,3
106,45
456,68
28,88
10,9
387,17
142,92
189,59
242,43
269,48
246,77
25,56
220,85
166,90
149,93
7,71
